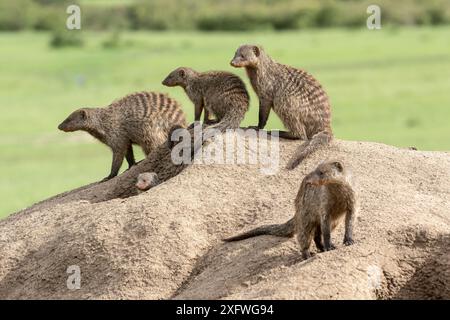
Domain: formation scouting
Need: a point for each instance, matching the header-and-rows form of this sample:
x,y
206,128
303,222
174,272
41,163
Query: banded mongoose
x,y
325,196
142,118
221,94
295,96
146,180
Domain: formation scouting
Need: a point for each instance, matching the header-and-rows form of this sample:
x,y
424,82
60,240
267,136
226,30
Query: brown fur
x,y
146,180
220,94
142,118
295,96
325,195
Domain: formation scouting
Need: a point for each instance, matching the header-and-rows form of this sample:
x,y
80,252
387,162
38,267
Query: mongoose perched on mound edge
x,y
146,180
295,96
142,118
325,195
220,93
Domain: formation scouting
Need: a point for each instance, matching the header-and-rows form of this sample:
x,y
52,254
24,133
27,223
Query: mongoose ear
x,y
338,166
83,114
182,73
256,51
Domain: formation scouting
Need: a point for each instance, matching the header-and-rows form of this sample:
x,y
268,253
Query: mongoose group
x,y
148,119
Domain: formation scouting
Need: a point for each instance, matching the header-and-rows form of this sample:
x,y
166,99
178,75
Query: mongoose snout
x,y
147,180
245,56
75,121
177,77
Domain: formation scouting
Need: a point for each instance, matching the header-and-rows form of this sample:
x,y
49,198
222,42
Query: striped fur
x,y
142,118
325,196
217,93
295,96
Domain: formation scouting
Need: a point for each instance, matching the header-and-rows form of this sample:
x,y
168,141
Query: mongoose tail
x,y
318,140
280,230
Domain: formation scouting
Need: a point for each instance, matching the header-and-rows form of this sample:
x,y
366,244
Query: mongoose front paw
x,y
348,242
306,255
330,247
106,179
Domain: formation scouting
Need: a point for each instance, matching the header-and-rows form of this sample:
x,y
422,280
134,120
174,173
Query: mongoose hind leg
x,y
211,122
349,221
325,228
305,237
318,239
286,135
207,118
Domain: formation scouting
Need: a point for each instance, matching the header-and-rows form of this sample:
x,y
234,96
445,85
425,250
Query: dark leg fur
x,y
130,156
287,135
326,232
118,157
264,111
349,220
305,235
198,111
318,240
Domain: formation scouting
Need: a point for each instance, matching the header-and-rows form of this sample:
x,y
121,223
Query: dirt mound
x,y
165,243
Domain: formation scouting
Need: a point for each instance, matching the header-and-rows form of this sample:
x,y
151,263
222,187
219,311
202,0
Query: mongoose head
x,y
178,77
146,181
246,56
78,120
326,173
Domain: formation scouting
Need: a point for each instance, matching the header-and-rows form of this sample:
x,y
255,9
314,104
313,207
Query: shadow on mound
x,y
431,280
45,270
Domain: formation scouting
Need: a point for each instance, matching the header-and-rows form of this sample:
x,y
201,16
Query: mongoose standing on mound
x,y
142,118
295,96
324,197
219,93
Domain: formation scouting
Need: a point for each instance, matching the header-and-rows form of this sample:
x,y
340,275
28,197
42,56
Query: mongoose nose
x,y
165,82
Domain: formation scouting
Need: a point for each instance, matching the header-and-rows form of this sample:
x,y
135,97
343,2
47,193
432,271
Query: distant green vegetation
x,y
390,86
231,15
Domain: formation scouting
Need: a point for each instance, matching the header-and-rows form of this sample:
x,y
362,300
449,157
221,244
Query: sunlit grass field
x,y
390,86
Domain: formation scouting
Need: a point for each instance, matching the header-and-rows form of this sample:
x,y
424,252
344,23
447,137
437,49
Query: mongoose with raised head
x,y
146,181
295,96
325,196
142,118
221,94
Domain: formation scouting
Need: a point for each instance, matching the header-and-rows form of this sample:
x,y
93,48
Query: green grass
x,y
389,86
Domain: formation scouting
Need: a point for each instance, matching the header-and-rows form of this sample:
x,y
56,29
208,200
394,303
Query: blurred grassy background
x,y
389,86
